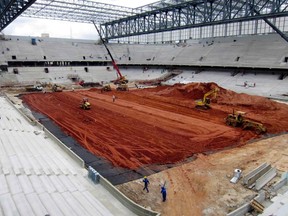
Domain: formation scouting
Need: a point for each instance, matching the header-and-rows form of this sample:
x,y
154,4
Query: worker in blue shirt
x,y
146,182
164,193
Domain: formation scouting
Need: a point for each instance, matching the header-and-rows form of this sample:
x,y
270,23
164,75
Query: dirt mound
x,y
158,125
188,91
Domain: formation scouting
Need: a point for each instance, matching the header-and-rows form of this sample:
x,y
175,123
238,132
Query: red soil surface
x,y
157,125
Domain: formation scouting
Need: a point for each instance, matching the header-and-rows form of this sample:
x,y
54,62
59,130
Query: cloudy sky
x,y
35,27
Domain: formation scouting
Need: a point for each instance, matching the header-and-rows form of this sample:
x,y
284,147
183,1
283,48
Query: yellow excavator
x,y
237,119
205,102
85,104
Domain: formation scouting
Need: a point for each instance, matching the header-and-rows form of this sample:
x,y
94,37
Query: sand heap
x,y
158,125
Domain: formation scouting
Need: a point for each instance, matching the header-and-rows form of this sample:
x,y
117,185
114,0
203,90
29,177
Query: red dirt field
x,y
157,125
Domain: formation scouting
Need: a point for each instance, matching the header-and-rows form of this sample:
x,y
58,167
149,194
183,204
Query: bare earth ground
x,y
202,187
161,126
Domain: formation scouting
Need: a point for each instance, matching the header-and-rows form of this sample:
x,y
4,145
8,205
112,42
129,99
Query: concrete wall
x,y
134,207
246,207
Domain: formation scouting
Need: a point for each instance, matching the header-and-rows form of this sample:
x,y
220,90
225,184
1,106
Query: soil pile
x,y
158,125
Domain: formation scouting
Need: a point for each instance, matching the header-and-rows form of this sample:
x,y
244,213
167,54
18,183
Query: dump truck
x,y
237,119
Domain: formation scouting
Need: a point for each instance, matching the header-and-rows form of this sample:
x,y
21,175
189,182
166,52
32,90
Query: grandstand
x,y
64,61
40,174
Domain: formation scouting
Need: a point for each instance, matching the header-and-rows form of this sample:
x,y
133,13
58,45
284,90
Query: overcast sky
x,y
23,26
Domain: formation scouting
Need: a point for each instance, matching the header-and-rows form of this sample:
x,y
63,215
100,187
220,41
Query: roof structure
x,y
165,15
78,11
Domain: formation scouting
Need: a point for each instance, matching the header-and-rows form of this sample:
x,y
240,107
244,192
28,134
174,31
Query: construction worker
x,y
146,182
164,193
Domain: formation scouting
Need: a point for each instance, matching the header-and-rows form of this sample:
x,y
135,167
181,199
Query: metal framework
x,y
83,11
160,20
176,15
10,10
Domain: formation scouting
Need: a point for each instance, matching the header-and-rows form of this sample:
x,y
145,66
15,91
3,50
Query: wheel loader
x,y
237,119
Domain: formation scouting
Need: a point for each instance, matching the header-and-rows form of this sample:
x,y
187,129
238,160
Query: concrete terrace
x,y
266,85
257,51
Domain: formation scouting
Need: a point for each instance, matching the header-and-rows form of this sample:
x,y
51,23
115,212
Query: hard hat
x,y
145,177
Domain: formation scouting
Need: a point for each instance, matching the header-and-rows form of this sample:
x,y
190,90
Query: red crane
x,y
121,79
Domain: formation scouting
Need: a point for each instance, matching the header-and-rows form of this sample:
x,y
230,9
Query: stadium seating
x,y
38,178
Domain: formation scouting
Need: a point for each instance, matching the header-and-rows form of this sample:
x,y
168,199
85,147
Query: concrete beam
x,y
247,207
256,174
264,179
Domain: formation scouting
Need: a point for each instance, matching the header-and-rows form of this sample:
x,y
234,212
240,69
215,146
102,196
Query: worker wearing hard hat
x,y
146,182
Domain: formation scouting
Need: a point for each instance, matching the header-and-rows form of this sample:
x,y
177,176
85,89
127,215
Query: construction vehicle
x,y
85,104
122,87
106,88
120,78
34,88
205,102
89,84
237,119
57,88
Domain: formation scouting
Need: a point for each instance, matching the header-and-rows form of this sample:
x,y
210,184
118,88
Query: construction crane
x,y
205,102
121,79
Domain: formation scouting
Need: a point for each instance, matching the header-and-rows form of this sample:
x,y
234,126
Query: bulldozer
x,y
205,102
122,87
237,119
106,88
57,88
85,104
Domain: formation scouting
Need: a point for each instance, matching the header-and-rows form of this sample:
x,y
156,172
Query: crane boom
x,y
113,61
209,93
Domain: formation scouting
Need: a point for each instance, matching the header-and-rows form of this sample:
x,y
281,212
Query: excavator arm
x,y
213,91
205,102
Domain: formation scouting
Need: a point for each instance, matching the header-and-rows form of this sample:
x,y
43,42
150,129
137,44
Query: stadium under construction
x,y
190,94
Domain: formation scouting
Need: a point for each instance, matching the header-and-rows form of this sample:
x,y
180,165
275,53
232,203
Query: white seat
x,y
4,186
50,205
23,205
14,184
36,204
25,184
8,206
